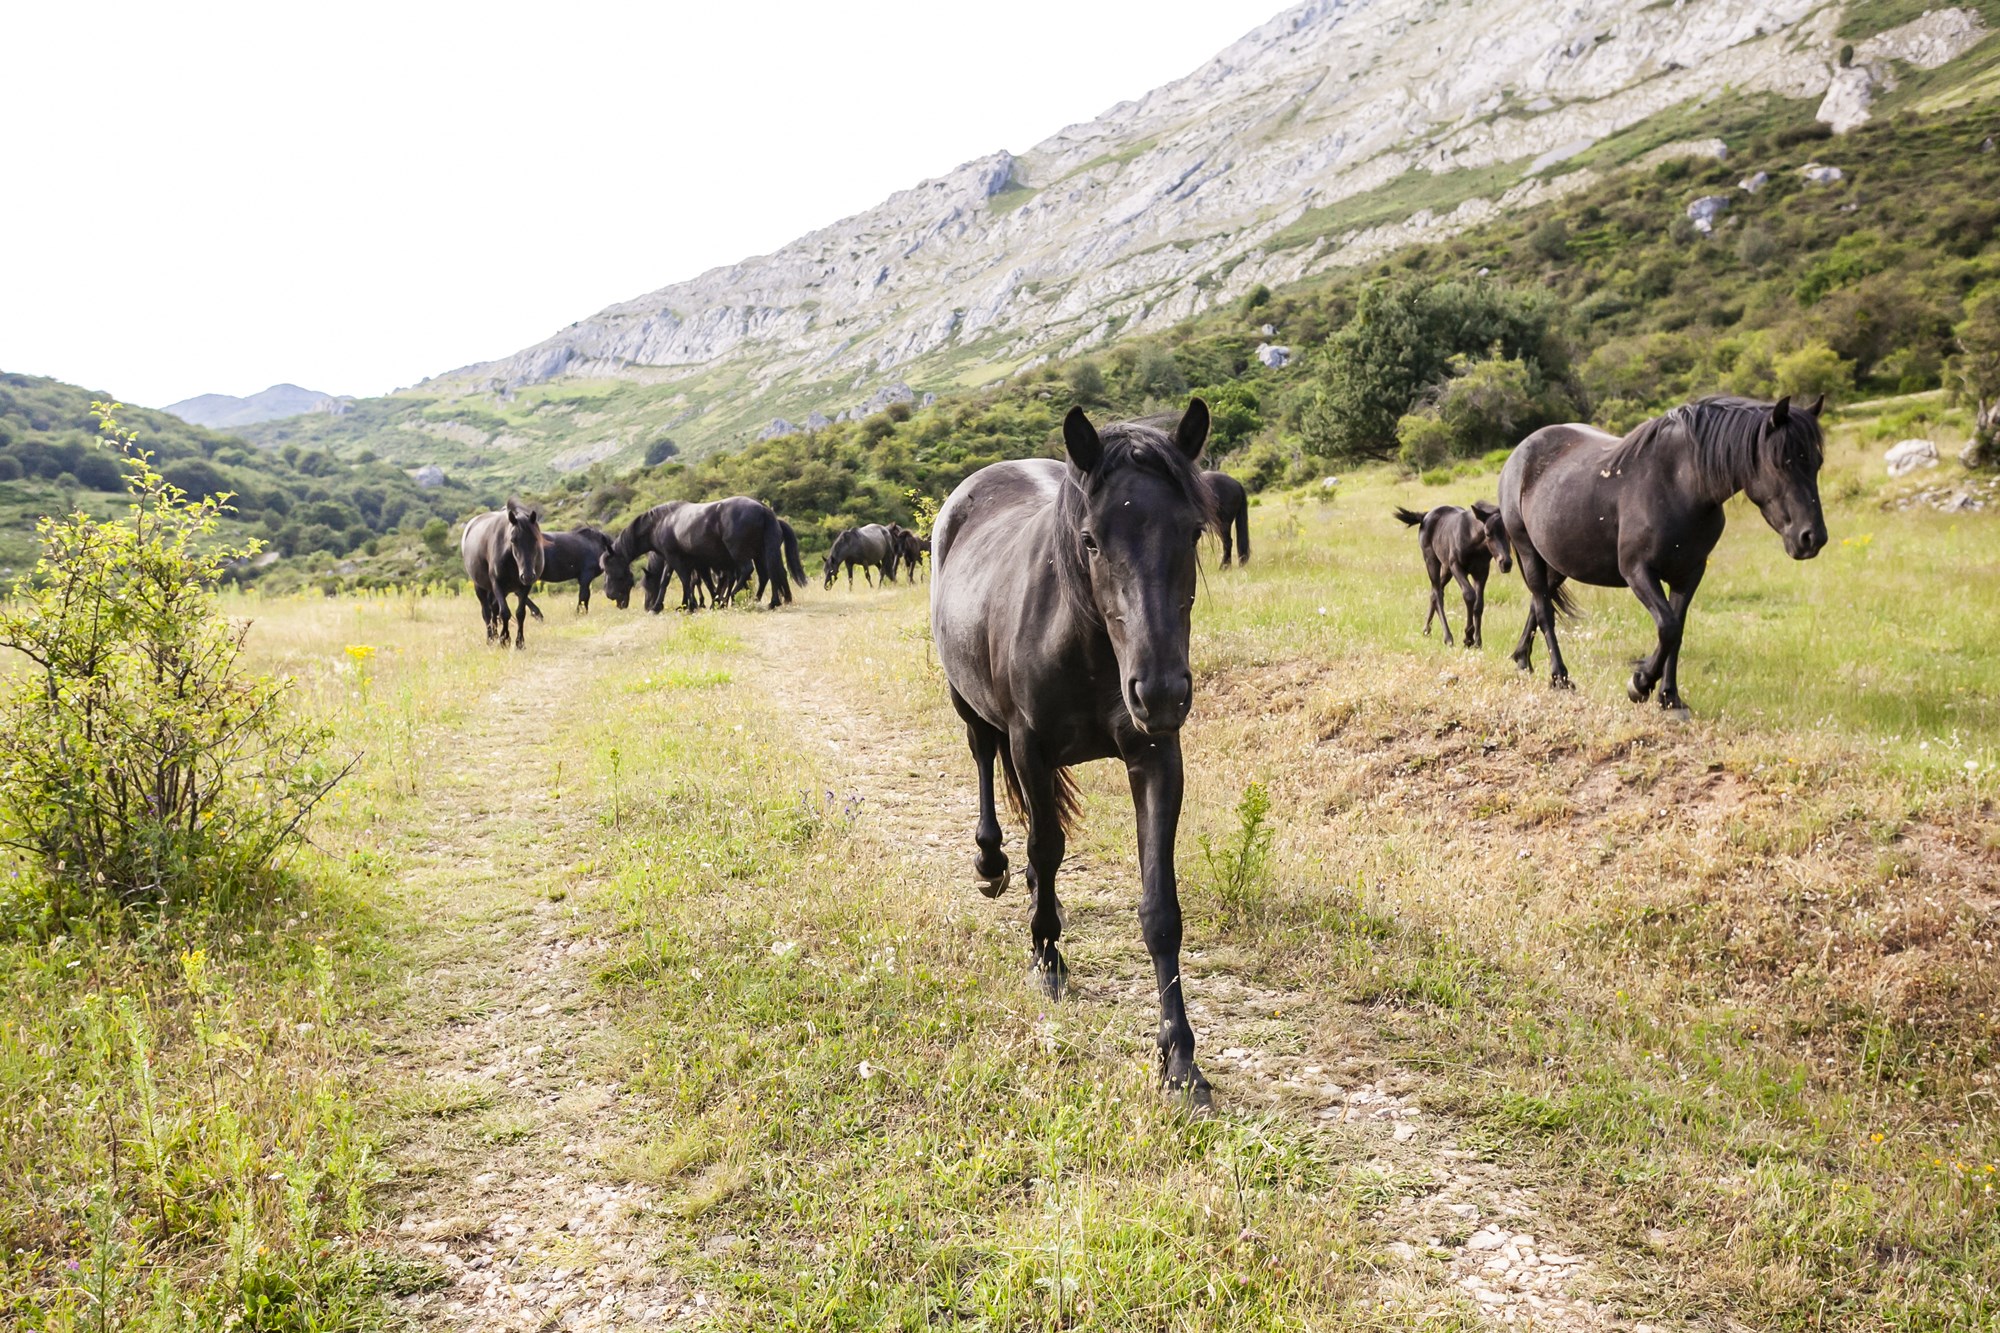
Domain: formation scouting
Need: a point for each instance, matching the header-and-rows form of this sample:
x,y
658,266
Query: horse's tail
x,y
1410,517
1565,605
1069,801
793,561
1243,534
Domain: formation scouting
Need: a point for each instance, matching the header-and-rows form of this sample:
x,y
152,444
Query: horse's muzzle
x,y
1159,706
1806,542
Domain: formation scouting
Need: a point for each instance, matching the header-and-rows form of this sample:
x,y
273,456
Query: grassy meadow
x,y
673,916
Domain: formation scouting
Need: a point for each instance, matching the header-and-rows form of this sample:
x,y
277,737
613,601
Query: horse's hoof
x,y
1524,664
1561,683
993,888
1189,1089
1672,705
1637,690
1052,973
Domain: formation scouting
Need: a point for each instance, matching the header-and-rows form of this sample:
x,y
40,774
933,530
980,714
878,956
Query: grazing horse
x,y
1645,511
870,546
1460,544
910,550
577,554
1061,600
1232,515
721,541
503,555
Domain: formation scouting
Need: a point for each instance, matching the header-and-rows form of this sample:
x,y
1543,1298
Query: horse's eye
x,y
1090,543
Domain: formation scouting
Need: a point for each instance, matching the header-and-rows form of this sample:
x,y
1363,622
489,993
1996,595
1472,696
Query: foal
x,y
1460,544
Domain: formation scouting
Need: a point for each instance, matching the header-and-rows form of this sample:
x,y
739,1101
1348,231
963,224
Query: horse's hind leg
x,y
1046,844
991,863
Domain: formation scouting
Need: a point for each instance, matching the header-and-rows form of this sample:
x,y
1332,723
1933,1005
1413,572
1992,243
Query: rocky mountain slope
x,y
1281,157
221,411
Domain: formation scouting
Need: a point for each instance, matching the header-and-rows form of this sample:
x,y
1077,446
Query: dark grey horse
x,y
911,550
577,554
871,546
1460,544
1232,515
1645,511
1061,601
717,545
503,555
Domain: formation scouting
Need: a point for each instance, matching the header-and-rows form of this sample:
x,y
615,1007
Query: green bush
x,y
1401,342
138,763
1812,370
1424,441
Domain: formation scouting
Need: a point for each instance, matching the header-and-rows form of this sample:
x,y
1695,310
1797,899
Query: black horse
x,y
1232,515
1460,544
577,554
871,546
1061,600
911,550
503,555
1645,511
717,545
794,563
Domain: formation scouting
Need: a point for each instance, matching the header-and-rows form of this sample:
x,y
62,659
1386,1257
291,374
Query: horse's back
x,y
987,506
478,545
1227,493
1550,449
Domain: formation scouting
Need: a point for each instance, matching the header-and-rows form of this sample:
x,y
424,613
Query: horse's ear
x,y
1485,510
1192,434
1781,412
1818,403
1080,439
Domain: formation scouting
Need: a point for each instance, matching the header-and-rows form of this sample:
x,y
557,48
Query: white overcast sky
x,y
217,197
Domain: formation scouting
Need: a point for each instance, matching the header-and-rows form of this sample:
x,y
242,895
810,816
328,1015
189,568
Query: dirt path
x,y
1458,1222
502,1055
513,1129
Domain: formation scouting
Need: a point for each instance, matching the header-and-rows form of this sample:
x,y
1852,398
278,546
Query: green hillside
x,y
306,504
1876,267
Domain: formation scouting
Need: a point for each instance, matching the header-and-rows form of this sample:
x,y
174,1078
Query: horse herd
x,y
1063,590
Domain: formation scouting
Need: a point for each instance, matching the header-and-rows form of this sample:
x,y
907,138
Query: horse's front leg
x,y
1153,764
1471,635
520,618
1646,587
1677,602
1047,842
1475,610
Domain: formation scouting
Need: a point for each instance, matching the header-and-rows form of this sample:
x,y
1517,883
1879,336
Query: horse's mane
x,y
627,544
1724,435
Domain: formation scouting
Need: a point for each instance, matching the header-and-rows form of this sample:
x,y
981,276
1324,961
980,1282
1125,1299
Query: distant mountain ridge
x,y
1336,134
220,411
1212,184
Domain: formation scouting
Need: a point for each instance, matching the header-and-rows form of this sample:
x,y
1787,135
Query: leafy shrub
x,y
1484,406
137,761
1401,341
1237,869
1812,370
659,451
1233,414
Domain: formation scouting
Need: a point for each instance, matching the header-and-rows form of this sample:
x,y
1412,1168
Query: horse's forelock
x,y
1143,446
